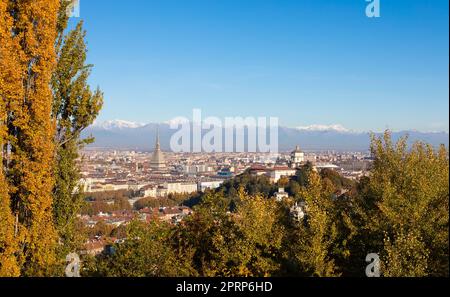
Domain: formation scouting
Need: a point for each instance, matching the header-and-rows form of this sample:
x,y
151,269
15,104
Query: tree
x,y
75,107
402,209
259,221
283,182
303,173
338,181
30,115
121,203
9,89
407,255
246,242
204,234
28,34
154,202
101,229
146,252
315,238
294,189
8,243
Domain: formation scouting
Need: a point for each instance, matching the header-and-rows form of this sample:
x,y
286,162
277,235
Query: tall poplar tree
x,y
75,107
28,35
316,234
9,89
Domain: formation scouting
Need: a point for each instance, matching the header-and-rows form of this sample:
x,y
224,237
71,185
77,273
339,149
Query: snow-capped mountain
x,y
325,128
116,124
131,135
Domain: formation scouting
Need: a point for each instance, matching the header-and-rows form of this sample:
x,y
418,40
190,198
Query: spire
x,y
158,144
157,162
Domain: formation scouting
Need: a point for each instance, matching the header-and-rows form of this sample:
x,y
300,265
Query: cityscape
x,y
158,174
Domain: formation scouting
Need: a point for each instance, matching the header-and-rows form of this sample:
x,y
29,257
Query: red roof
x,y
283,168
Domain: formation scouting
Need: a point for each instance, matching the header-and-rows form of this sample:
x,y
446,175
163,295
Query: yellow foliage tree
x,y
28,33
406,207
8,90
318,232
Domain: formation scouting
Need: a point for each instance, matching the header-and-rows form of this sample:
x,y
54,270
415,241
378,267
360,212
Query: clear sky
x,y
304,61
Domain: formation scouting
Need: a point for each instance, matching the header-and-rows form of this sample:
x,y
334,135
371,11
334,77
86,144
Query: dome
x,y
157,162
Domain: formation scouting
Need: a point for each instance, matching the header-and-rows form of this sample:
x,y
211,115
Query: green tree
x,y
294,189
246,242
303,174
338,181
75,107
146,252
205,233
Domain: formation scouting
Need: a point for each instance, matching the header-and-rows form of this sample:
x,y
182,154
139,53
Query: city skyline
x,y
305,62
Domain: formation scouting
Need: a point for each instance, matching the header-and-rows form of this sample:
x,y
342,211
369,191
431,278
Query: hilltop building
x,y
273,173
297,157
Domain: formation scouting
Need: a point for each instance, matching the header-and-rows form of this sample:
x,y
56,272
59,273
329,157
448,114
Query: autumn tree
x,y
9,89
28,33
303,173
315,236
206,233
405,255
246,242
259,221
283,182
402,210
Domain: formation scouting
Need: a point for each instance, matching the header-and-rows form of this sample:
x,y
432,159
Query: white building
x,y
298,212
194,169
211,185
180,188
280,195
149,191
278,172
297,157
320,166
169,188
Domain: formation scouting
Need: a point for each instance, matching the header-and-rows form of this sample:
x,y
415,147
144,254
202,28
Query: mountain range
x,y
119,134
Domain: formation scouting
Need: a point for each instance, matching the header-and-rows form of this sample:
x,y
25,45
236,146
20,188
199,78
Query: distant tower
x,y
297,157
157,162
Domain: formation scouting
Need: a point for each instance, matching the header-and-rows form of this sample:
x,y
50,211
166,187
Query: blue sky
x,y
304,61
